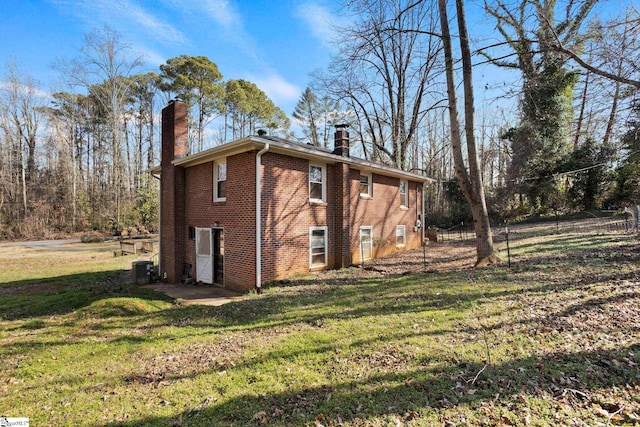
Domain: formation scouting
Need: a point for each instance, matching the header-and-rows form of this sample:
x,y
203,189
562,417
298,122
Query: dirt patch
x,y
31,288
223,353
434,258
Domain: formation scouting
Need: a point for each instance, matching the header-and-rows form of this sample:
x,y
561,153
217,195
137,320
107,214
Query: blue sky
x,y
274,44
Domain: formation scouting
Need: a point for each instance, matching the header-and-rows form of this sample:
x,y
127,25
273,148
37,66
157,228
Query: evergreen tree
x,y
591,179
306,113
248,107
197,82
532,29
628,174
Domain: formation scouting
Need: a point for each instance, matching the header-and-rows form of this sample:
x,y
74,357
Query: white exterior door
x,y
204,255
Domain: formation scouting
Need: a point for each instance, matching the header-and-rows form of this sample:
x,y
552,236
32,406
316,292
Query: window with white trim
x,y
401,235
366,184
404,193
366,243
317,180
220,181
317,246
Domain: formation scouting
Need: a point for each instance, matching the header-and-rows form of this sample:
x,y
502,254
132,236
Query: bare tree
x,y
20,120
470,180
384,73
102,69
617,52
66,119
618,42
144,89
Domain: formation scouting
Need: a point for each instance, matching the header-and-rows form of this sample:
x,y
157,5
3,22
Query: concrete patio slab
x,y
197,294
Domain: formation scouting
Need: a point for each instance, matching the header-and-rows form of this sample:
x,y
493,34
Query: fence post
x,y
424,254
506,229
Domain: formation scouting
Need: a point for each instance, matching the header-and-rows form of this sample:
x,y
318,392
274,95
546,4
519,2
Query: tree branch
x,y
560,48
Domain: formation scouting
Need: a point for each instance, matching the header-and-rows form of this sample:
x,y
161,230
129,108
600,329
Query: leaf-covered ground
x,y
418,339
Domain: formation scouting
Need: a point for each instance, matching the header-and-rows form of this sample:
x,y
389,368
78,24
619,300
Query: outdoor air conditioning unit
x,y
142,272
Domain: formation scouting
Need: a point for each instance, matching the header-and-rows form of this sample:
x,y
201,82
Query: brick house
x,y
262,208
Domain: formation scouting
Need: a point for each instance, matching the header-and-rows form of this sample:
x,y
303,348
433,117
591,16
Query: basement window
x,y
401,235
366,243
317,247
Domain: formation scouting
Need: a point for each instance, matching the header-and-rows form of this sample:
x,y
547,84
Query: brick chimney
x,y
341,140
172,191
342,183
174,131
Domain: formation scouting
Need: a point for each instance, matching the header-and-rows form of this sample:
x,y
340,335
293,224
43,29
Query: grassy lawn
x,y
552,341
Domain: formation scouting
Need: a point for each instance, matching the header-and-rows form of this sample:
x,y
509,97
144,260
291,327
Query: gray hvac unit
x,y
142,271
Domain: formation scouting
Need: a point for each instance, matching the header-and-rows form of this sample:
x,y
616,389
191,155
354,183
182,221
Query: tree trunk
x,y
470,181
23,179
576,141
612,115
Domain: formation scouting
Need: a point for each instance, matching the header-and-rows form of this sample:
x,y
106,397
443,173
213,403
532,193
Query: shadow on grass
x,y
574,379
377,394
65,294
339,300
565,244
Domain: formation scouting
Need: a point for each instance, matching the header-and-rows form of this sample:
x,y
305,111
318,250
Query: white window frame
x,y
404,197
311,247
216,164
369,192
401,231
370,229
323,169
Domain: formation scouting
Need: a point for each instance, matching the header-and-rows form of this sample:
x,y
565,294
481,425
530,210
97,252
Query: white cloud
x,y
122,15
318,19
223,13
230,20
226,22
151,57
277,89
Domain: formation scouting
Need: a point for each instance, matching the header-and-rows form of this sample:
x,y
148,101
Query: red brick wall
x,y
236,216
288,214
383,212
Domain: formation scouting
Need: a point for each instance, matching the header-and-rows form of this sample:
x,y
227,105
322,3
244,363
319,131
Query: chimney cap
x,y
341,125
262,132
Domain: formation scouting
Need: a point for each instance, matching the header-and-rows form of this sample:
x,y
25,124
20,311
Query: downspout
x,y
422,231
259,218
159,178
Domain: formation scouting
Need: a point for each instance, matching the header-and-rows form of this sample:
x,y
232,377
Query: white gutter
x,y
259,218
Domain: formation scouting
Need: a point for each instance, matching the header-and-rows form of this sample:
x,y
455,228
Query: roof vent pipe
x,y
262,132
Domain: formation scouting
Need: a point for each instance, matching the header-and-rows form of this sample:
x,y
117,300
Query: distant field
x,y
420,339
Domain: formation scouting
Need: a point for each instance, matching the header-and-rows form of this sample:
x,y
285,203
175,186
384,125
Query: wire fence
x,y
508,236
602,225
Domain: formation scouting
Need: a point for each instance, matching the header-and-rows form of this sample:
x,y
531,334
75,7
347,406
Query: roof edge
x,y
282,146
